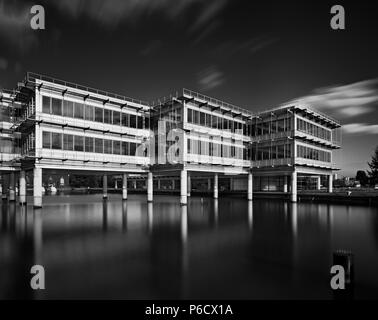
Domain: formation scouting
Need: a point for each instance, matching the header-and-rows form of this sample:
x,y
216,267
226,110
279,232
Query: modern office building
x,y
49,124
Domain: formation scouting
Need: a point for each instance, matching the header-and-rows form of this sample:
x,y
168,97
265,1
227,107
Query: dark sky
x,y
250,54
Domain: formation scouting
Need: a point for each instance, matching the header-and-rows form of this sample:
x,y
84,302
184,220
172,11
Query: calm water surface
x,y
225,249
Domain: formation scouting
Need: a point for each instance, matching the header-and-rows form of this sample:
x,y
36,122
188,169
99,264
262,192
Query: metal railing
x,y
35,76
215,101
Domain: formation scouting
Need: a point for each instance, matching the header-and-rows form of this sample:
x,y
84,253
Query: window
x,y
196,117
68,142
79,111
140,122
107,116
56,106
99,147
125,120
125,148
79,143
116,118
132,149
89,113
108,146
202,119
132,121
147,123
56,139
116,147
99,116
190,115
89,147
46,101
46,140
68,109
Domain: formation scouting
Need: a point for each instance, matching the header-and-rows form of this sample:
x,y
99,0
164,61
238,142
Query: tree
x,y
373,165
362,177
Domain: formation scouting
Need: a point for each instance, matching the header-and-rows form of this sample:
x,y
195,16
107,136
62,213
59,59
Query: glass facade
x,y
69,142
314,130
313,154
271,151
90,113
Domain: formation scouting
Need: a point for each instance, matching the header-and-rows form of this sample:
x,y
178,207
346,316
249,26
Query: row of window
x,y
215,122
271,152
314,130
59,141
313,154
217,149
255,128
86,112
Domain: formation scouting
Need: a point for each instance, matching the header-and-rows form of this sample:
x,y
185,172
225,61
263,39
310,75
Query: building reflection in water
x,y
250,215
105,215
294,220
124,215
150,217
216,212
184,250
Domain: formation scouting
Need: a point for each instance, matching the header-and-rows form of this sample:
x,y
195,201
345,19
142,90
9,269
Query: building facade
x,y
49,124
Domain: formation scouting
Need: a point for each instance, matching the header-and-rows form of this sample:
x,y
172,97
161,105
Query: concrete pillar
x,y
1,186
134,184
150,187
184,188
189,185
318,185
173,184
250,186
158,184
293,186
216,186
37,188
12,187
124,186
285,184
22,187
209,184
231,184
104,186
330,183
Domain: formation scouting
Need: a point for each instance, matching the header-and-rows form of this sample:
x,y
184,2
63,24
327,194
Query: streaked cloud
x,y
151,47
3,63
360,128
346,100
111,13
15,27
210,78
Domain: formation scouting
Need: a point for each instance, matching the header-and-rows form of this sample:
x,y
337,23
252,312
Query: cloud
x,y
210,78
3,63
15,25
251,46
151,48
111,13
360,128
346,100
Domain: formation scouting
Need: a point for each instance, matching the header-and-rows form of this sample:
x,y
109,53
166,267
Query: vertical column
x,y
184,188
189,185
105,186
318,186
158,184
250,186
150,187
37,188
124,186
1,186
294,186
285,184
330,183
209,184
231,184
12,187
22,187
173,184
216,186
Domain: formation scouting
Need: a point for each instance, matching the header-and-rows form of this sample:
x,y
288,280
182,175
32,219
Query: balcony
x,y
269,163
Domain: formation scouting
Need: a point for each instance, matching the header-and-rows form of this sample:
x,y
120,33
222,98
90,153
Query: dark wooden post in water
x,y
345,259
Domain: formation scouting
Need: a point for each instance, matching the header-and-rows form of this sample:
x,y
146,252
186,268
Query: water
x,y
225,249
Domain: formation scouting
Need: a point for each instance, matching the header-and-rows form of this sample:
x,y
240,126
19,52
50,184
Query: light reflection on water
x,y
226,248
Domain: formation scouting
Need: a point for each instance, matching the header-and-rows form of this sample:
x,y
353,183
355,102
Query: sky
x,y
254,55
